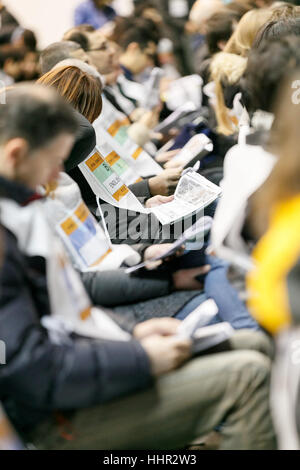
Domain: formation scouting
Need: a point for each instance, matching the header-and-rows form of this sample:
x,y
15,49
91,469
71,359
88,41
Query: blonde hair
x,y
243,38
226,67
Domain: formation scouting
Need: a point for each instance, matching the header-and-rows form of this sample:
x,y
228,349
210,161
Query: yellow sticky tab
x,y
82,212
121,193
85,314
113,129
69,226
137,153
94,161
112,158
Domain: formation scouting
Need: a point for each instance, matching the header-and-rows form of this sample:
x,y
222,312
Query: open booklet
x,y
205,337
111,127
178,118
193,193
198,146
199,229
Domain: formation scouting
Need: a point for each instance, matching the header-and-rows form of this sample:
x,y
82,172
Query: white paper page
x,y
120,254
118,164
136,157
200,317
107,185
193,193
201,227
195,145
210,336
184,90
171,120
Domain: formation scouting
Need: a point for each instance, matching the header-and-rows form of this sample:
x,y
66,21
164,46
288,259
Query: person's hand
x,y
166,353
185,278
156,326
137,113
166,156
155,251
174,164
150,118
158,201
165,184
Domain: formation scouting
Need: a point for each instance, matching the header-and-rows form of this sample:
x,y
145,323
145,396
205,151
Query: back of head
x,y
79,88
240,8
226,70
267,67
139,30
80,37
219,28
283,11
243,38
227,66
36,114
202,10
55,53
278,29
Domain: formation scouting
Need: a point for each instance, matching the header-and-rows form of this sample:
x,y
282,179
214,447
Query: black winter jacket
x,y
41,376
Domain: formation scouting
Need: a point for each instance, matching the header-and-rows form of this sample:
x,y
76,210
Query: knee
x,y
253,340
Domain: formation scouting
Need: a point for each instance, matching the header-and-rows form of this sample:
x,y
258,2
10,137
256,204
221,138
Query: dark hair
x,y
278,29
80,38
29,39
36,114
219,27
139,30
140,7
267,67
55,53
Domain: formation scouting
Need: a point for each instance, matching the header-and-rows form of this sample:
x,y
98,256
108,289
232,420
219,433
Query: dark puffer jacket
x,y
41,376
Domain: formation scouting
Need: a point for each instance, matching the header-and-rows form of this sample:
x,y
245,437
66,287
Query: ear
x,y
15,151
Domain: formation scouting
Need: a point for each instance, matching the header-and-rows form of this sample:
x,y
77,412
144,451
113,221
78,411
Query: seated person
x,y
246,167
94,12
125,375
81,87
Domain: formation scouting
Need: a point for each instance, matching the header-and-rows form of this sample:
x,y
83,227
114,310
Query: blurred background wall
x,y
49,19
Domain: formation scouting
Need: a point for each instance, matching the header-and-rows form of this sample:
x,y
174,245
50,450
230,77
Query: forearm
x,y
114,288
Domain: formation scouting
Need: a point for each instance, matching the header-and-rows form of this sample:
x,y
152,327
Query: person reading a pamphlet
x,y
61,341
129,290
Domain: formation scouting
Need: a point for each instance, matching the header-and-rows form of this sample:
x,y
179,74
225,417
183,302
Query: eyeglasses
x,y
104,47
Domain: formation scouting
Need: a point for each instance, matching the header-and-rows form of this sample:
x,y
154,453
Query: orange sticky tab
x,y
112,158
125,122
85,314
101,259
69,226
139,180
113,129
82,212
121,193
94,161
137,153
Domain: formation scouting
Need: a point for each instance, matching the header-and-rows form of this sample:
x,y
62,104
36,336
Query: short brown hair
x,y
81,90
